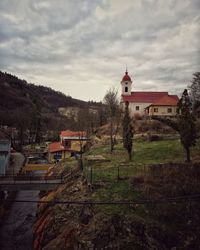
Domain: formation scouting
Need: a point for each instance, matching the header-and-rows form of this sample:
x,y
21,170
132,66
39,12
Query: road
x,y
16,231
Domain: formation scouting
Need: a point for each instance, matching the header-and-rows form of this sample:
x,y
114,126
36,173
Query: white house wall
x,y
163,110
132,108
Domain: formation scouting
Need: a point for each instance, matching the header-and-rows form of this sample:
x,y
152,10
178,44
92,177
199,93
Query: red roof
x,y
169,100
69,133
126,77
146,97
55,147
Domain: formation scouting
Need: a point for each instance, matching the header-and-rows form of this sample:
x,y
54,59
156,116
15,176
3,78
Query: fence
x,y
30,177
96,174
150,172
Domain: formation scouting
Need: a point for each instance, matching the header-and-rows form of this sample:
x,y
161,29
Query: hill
x,y
16,93
27,106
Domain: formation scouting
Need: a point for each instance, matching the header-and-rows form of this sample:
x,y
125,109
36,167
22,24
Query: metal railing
x,y
29,177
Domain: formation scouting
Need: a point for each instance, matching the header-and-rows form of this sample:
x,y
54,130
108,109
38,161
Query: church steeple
x,y
126,84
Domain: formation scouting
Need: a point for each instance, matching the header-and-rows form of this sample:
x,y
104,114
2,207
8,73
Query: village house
x,y
147,102
5,148
71,142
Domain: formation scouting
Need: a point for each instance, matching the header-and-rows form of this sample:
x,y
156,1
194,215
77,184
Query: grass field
x,y
145,153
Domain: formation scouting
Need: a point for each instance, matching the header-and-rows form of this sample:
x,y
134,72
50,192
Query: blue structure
x,y
4,156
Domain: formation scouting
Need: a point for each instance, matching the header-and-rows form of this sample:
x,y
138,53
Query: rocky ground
x,y
62,226
157,227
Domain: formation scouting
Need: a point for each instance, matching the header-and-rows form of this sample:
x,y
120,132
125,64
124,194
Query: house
x,y
147,102
70,142
5,147
57,152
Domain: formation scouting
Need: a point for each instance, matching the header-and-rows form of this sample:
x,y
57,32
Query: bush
x,y
136,180
198,127
137,116
154,137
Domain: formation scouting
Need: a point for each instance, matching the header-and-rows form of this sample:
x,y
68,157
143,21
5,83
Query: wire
x,y
121,202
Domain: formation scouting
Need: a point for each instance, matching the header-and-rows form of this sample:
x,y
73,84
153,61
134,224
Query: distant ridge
x,y
28,106
15,93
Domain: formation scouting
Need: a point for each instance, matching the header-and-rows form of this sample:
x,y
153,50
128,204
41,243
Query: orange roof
x,y
166,101
69,133
55,147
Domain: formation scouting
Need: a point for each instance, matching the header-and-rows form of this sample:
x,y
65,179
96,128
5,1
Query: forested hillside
x,y
34,108
16,93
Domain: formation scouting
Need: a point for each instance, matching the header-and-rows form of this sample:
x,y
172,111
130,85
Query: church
x,y
147,102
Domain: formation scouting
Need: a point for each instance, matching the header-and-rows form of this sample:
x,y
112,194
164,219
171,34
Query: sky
x,y
83,47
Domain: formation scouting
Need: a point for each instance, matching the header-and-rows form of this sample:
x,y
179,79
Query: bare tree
x,y
113,110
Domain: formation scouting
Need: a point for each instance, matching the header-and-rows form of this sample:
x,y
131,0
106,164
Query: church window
x,y
169,110
137,108
155,110
126,89
126,83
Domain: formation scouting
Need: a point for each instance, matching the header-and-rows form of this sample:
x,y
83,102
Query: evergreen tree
x,y
127,132
186,124
195,91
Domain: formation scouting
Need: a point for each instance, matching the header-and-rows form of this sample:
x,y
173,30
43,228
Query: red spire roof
x,y
126,77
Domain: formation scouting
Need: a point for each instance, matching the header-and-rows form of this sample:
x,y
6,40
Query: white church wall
x,y
133,108
138,108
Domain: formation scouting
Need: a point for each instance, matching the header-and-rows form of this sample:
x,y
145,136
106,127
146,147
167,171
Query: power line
x,y
120,202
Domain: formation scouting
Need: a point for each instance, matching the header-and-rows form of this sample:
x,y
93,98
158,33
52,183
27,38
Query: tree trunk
x,y
188,154
111,136
130,155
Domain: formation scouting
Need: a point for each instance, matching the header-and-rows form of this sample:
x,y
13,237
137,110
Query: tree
x,y
195,91
127,132
186,124
113,110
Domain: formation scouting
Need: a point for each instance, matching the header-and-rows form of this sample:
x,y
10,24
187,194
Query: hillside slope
x,y
34,110
16,93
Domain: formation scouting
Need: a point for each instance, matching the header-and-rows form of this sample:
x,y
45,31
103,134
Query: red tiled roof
x,y
55,147
69,133
168,100
146,97
126,77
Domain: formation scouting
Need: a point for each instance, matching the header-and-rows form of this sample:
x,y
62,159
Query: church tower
x,y
126,84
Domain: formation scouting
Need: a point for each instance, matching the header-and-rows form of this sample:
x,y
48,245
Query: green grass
x,y
148,152
145,153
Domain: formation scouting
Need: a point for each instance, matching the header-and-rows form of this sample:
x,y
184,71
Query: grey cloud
x,y
63,41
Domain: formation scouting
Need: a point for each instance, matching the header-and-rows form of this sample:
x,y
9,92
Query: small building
x,y
57,152
5,148
165,106
71,142
147,102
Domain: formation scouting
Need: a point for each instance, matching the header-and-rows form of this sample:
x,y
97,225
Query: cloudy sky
x,y
82,47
